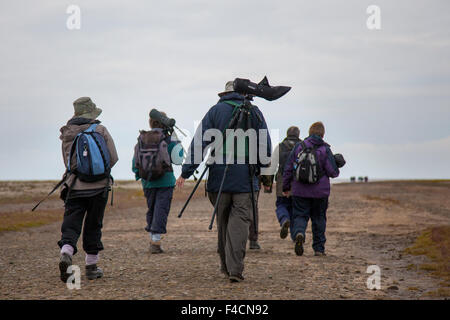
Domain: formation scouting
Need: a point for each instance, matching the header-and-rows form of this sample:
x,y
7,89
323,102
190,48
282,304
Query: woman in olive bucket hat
x,y
83,200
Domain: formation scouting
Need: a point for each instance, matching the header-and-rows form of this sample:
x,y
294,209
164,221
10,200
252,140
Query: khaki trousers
x,y
234,216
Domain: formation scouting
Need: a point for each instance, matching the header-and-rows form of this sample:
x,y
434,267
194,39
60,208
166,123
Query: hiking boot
x,y
254,245
319,253
64,262
284,229
236,278
155,247
93,272
299,240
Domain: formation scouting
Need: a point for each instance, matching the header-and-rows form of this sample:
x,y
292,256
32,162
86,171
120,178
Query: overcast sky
x,y
383,95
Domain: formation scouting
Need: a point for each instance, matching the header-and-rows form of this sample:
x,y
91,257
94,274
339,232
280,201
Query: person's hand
x,y
180,182
287,194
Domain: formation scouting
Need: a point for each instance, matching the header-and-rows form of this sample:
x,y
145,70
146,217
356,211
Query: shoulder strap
x,y
91,128
303,144
72,149
233,103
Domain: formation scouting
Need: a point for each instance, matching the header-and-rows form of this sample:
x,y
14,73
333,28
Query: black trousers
x,y
91,210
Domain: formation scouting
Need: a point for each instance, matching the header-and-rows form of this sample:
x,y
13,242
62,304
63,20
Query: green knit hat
x,y
85,108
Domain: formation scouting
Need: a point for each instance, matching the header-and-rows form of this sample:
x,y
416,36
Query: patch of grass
x,y
435,244
440,293
411,267
15,221
386,200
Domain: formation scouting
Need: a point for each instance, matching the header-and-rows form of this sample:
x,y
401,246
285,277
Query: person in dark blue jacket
x,y
234,214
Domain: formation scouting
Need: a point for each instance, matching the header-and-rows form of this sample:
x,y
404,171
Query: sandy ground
x,y
368,224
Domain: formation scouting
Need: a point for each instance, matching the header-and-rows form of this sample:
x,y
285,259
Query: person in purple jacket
x,y
310,200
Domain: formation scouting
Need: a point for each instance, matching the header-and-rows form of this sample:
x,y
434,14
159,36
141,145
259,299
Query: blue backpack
x,y
93,159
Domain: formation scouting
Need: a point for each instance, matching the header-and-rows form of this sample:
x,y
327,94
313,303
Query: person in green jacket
x,y
159,192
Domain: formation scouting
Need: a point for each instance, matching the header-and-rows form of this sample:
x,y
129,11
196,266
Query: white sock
x,y
68,249
91,259
156,237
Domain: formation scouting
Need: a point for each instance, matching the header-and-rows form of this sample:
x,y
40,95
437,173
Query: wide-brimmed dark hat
x,y
85,108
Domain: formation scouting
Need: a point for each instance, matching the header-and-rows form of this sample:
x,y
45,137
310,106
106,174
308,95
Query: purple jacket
x,y
321,189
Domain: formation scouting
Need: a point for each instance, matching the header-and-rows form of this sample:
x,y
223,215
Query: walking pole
x,y
252,173
193,191
253,197
219,194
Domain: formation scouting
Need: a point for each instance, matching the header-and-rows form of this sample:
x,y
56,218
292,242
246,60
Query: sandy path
x,y
367,224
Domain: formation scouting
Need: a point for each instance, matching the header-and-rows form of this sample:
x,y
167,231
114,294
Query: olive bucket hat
x,y
85,108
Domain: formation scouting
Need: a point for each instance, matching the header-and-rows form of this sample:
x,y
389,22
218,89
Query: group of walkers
x,y
302,183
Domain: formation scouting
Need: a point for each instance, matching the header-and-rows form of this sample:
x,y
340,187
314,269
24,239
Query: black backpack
x,y
285,150
307,167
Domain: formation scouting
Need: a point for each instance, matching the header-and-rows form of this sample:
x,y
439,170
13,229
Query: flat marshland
x,y
401,226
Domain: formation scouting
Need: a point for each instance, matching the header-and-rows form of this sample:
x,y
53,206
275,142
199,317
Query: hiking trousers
x,y
234,216
91,210
253,234
316,209
158,203
283,209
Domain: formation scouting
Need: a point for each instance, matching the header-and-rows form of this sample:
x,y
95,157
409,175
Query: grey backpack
x,y
307,167
151,155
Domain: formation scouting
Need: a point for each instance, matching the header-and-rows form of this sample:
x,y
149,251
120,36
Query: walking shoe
x,y
64,262
284,229
224,271
254,245
93,272
236,278
299,240
155,247
319,253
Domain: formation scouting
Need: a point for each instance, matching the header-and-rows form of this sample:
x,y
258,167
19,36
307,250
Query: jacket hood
x,y
316,140
74,126
232,96
293,138
80,121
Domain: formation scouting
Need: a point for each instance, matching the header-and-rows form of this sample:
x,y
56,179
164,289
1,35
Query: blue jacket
x,y
238,177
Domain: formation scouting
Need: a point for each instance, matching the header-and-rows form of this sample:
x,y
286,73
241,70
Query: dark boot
x,y
224,271
284,229
64,262
236,278
93,272
299,240
254,245
155,247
